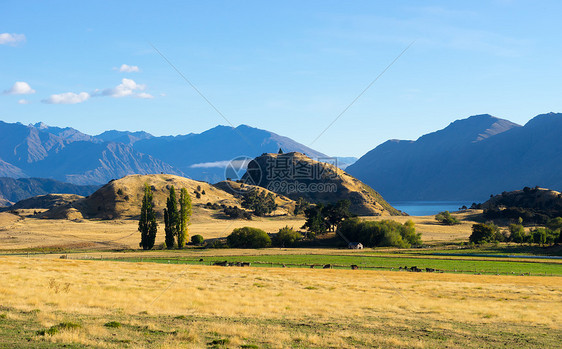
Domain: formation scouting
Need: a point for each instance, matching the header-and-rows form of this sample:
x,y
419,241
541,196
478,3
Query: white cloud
x,y
67,98
236,164
127,87
20,88
23,101
11,39
214,164
125,68
145,95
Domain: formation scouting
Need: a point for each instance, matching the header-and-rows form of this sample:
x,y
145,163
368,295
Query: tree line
x,y
550,234
320,219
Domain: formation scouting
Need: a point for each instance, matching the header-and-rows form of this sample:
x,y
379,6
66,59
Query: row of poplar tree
x,y
175,221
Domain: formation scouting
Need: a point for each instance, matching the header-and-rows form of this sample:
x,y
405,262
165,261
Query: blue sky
x,y
289,66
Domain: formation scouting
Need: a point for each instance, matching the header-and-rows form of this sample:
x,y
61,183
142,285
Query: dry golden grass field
x,y
27,232
50,302
168,306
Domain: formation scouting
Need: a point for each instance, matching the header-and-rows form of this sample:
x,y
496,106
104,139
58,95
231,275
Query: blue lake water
x,y
426,208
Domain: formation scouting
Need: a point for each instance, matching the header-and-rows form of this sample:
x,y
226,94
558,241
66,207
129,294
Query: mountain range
x,y
71,156
204,156
468,160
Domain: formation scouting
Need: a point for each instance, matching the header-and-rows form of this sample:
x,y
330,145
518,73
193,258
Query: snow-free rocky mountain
x,y
71,156
468,160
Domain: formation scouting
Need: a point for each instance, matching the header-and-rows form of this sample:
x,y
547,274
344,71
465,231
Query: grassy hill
x,y
296,175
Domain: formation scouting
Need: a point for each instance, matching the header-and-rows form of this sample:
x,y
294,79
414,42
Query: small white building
x,y
355,245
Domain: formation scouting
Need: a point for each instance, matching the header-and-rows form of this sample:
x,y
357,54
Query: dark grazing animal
x,y
327,266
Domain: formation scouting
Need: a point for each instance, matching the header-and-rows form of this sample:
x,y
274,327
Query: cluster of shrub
x,y
489,232
214,206
259,202
380,233
248,237
233,212
198,192
528,215
236,212
446,218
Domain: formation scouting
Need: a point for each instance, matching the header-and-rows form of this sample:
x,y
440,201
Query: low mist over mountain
x,y
467,160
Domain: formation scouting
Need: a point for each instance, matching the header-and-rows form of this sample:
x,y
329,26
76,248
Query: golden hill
x,y
295,175
122,198
48,201
529,198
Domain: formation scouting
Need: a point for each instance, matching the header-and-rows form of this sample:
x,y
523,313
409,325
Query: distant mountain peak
x,y
467,160
40,125
472,129
126,137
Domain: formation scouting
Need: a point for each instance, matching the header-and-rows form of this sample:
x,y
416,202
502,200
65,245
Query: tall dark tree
x,y
171,219
147,222
184,216
315,222
482,232
336,213
301,205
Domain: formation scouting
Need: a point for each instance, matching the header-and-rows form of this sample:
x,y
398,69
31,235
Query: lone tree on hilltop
x,y
147,222
171,219
184,216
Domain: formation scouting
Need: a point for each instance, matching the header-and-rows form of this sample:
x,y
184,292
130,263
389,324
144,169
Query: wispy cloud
x,y
11,39
23,101
67,98
223,164
214,164
19,88
434,27
125,68
127,87
145,95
